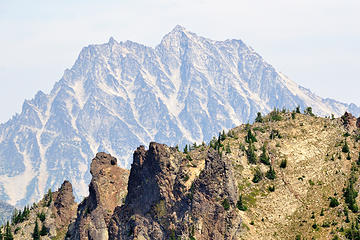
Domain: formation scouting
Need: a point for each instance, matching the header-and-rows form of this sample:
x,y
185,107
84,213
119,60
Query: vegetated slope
x,y
52,216
287,176
296,177
119,95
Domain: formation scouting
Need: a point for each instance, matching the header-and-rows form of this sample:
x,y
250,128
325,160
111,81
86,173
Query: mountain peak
x,y
112,40
179,28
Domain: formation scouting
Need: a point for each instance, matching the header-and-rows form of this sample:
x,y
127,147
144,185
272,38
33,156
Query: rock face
x,y
106,191
119,95
64,205
351,123
164,202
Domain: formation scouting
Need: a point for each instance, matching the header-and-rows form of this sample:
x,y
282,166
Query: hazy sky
x,y
314,42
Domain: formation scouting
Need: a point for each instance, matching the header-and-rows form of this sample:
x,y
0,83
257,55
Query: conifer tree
x,y
283,163
270,174
358,160
36,234
250,137
44,231
251,154
259,118
186,149
308,111
350,196
258,175
264,157
223,135
345,148
8,234
297,109
228,150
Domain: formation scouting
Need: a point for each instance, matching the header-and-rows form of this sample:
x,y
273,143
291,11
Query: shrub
x,y
226,204
275,133
240,205
271,188
275,115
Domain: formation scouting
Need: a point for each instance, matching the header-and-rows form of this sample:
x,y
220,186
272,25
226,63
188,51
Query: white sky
x,y
314,42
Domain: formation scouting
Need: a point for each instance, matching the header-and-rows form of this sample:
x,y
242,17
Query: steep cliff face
x,y
106,191
64,207
171,195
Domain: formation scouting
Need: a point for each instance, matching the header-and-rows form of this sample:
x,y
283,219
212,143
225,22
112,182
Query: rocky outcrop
x,y
64,207
161,204
106,191
54,213
350,122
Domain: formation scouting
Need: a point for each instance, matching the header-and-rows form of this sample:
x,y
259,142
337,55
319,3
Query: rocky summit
x,y
290,175
119,95
107,191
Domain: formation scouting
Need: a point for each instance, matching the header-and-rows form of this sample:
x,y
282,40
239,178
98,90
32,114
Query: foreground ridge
x,y
287,176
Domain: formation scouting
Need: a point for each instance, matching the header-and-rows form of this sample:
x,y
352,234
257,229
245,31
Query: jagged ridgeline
x,y
119,95
290,175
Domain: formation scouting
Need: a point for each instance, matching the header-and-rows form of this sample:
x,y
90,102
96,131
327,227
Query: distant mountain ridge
x,y
120,95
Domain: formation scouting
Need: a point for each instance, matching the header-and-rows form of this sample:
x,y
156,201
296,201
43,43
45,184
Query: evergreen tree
x,y
350,196
297,109
345,148
308,111
36,234
1,234
358,161
258,175
8,234
283,163
270,174
293,115
250,152
186,149
259,118
228,150
44,231
49,197
348,156
250,137
223,135
264,157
